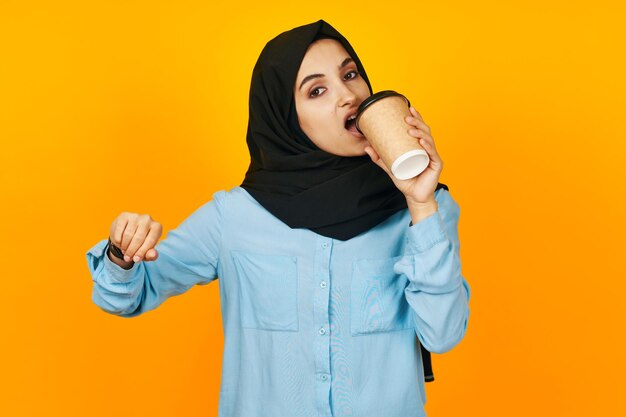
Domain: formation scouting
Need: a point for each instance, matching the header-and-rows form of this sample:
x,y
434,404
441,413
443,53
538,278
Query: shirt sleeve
x,y
437,292
187,256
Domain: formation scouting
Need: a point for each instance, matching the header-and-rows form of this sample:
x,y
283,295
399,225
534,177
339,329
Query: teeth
x,y
352,117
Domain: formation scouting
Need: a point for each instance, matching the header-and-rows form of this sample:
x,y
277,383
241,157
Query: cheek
x,y
321,127
364,88
304,118
316,119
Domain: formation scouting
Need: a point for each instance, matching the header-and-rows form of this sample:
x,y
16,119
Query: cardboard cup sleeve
x,y
380,118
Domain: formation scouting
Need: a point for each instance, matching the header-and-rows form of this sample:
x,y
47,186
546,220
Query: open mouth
x,y
351,123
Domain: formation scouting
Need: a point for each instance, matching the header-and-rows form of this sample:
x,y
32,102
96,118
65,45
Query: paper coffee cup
x,y
380,118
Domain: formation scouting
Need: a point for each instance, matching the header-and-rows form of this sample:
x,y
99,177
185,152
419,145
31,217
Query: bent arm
x,y
437,292
187,256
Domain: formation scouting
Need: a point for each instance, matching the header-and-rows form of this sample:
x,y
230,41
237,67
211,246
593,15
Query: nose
x,y
346,96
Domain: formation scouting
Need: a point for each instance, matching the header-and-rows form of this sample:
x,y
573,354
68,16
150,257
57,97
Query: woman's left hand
x,y
420,189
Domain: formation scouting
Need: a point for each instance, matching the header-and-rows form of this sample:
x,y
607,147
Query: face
x,y
328,90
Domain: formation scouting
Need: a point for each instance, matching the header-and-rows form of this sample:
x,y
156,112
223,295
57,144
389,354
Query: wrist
x,y
119,262
117,257
114,250
420,210
429,199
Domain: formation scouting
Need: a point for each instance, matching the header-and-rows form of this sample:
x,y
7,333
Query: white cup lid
x,y
410,164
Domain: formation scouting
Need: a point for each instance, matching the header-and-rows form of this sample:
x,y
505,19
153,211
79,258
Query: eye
x,y
312,93
356,74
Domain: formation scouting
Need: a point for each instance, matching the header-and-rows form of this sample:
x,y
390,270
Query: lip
x,y
356,134
350,113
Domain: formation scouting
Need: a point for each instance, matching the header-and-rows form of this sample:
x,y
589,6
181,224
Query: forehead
x,y
320,55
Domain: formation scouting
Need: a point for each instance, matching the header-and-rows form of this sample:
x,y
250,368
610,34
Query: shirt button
x,y
324,377
323,284
325,245
322,331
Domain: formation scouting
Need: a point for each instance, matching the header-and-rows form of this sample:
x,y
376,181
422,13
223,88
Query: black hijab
x,y
302,185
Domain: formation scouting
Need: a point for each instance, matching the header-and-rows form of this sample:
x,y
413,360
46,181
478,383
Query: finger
x,y
151,254
427,142
431,142
143,228
413,121
372,153
128,234
149,243
418,133
118,230
376,158
416,114
430,149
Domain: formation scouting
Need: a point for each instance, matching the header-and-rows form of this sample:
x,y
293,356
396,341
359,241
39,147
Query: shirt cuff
x,y
116,272
426,233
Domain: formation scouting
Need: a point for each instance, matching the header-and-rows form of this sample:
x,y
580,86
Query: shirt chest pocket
x,y
268,290
378,303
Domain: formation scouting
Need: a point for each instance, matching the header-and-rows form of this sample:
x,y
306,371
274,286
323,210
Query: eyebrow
x,y
312,76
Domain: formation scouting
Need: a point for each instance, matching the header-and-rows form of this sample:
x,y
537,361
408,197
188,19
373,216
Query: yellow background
x,y
142,106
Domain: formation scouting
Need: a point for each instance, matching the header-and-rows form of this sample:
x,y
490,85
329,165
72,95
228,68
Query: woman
x,y
332,273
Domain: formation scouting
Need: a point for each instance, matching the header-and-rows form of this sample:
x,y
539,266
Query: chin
x,y
352,146
363,143
358,150
359,147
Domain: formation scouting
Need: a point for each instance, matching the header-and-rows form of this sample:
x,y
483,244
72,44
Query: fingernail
x,y
127,258
136,258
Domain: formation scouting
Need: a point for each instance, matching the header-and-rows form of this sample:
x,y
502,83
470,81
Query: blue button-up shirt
x,y
313,326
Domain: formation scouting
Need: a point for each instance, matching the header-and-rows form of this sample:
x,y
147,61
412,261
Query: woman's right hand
x,y
136,235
